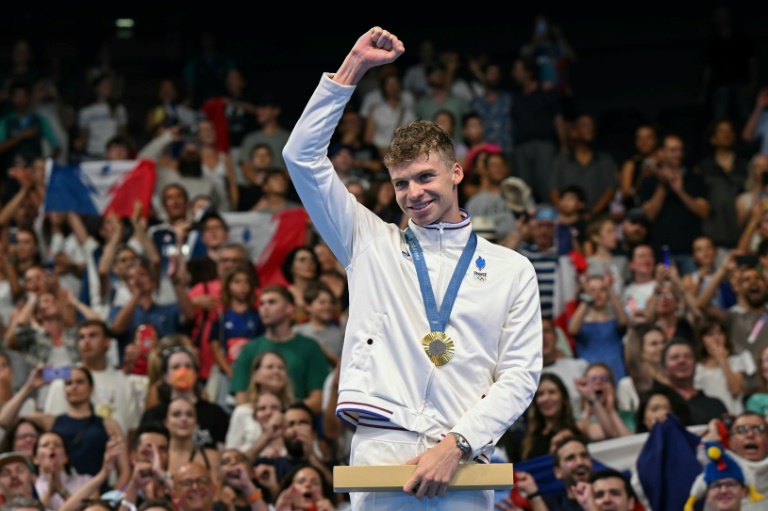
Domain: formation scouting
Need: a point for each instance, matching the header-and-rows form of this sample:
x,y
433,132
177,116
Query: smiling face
x,y
181,419
574,463
679,363
725,494
271,374
549,400
426,189
193,487
267,405
653,344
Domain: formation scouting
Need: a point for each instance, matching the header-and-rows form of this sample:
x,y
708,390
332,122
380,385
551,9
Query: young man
x,y
307,365
573,466
113,395
444,385
609,491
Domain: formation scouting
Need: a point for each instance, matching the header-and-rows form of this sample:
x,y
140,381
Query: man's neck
x,y
642,279
280,333
145,300
744,304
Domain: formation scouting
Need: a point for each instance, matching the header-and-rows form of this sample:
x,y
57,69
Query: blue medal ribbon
x,y
439,319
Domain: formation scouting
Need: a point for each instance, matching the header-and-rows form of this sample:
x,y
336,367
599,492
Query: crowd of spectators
x,y
137,372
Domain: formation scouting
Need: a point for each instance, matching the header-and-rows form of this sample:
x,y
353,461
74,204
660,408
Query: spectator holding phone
x,y
86,435
113,395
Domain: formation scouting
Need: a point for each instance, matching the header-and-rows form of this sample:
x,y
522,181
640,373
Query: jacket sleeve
x,y
330,206
517,372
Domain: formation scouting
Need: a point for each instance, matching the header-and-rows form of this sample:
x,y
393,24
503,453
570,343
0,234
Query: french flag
x,y
100,187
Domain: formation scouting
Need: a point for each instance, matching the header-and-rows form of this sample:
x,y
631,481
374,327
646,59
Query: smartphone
x,y
51,373
748,260
146,338
665,255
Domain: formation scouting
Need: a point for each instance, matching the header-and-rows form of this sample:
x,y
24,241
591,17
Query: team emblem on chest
x,y
480,275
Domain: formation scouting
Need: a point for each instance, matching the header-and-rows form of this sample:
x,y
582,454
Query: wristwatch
x,y
463,445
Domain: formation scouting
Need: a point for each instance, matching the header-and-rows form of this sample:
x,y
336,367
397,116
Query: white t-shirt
x,y
636,296
102,123
113,397
711,380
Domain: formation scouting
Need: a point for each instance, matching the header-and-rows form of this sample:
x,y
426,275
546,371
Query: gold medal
x,y
439,347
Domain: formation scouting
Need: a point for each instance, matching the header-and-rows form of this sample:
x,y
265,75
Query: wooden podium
x,y
474,476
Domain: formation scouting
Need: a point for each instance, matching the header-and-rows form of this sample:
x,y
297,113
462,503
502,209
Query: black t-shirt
x,y
211,418
675,225
561,502
533,116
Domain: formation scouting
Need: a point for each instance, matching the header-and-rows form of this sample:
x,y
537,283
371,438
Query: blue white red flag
x,y
100,187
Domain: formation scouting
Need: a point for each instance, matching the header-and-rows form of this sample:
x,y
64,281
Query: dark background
x,y
643,57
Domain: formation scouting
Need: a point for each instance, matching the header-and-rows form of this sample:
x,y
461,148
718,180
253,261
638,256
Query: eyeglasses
x,y
189,483
757,429
602,378
27,436
724,484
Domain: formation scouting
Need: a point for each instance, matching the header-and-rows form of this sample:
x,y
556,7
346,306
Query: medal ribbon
x,y
439,319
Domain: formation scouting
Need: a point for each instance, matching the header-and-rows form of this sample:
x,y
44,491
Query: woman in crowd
x,y
56,480
598,324
642,356
670,308
255,425
186,442
719,372
600,418
549,413
656,405
180,379
85,434
300,267
305,487
758,400
21,436
642,164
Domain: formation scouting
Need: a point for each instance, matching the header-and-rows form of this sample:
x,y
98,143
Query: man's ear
x,y
558,473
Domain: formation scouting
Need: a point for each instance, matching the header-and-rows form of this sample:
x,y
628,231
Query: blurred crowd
x,y
145,365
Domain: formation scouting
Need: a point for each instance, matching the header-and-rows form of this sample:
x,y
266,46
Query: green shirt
x,y
307,365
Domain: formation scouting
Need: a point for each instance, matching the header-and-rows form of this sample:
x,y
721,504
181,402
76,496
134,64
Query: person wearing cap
x,y
424,385
270,132
541,251
17,476
726,486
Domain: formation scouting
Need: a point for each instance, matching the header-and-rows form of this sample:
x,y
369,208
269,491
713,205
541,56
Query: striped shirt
x,y
545,265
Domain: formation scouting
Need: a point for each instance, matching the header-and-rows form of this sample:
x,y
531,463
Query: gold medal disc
x,y
439,347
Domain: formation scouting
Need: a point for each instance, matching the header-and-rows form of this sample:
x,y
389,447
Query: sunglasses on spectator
x,y
757,429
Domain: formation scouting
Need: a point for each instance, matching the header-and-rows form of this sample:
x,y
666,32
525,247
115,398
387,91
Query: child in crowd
x,y
238,323
321,306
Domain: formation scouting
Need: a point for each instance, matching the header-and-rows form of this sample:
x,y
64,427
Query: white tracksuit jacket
x,y
385,373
